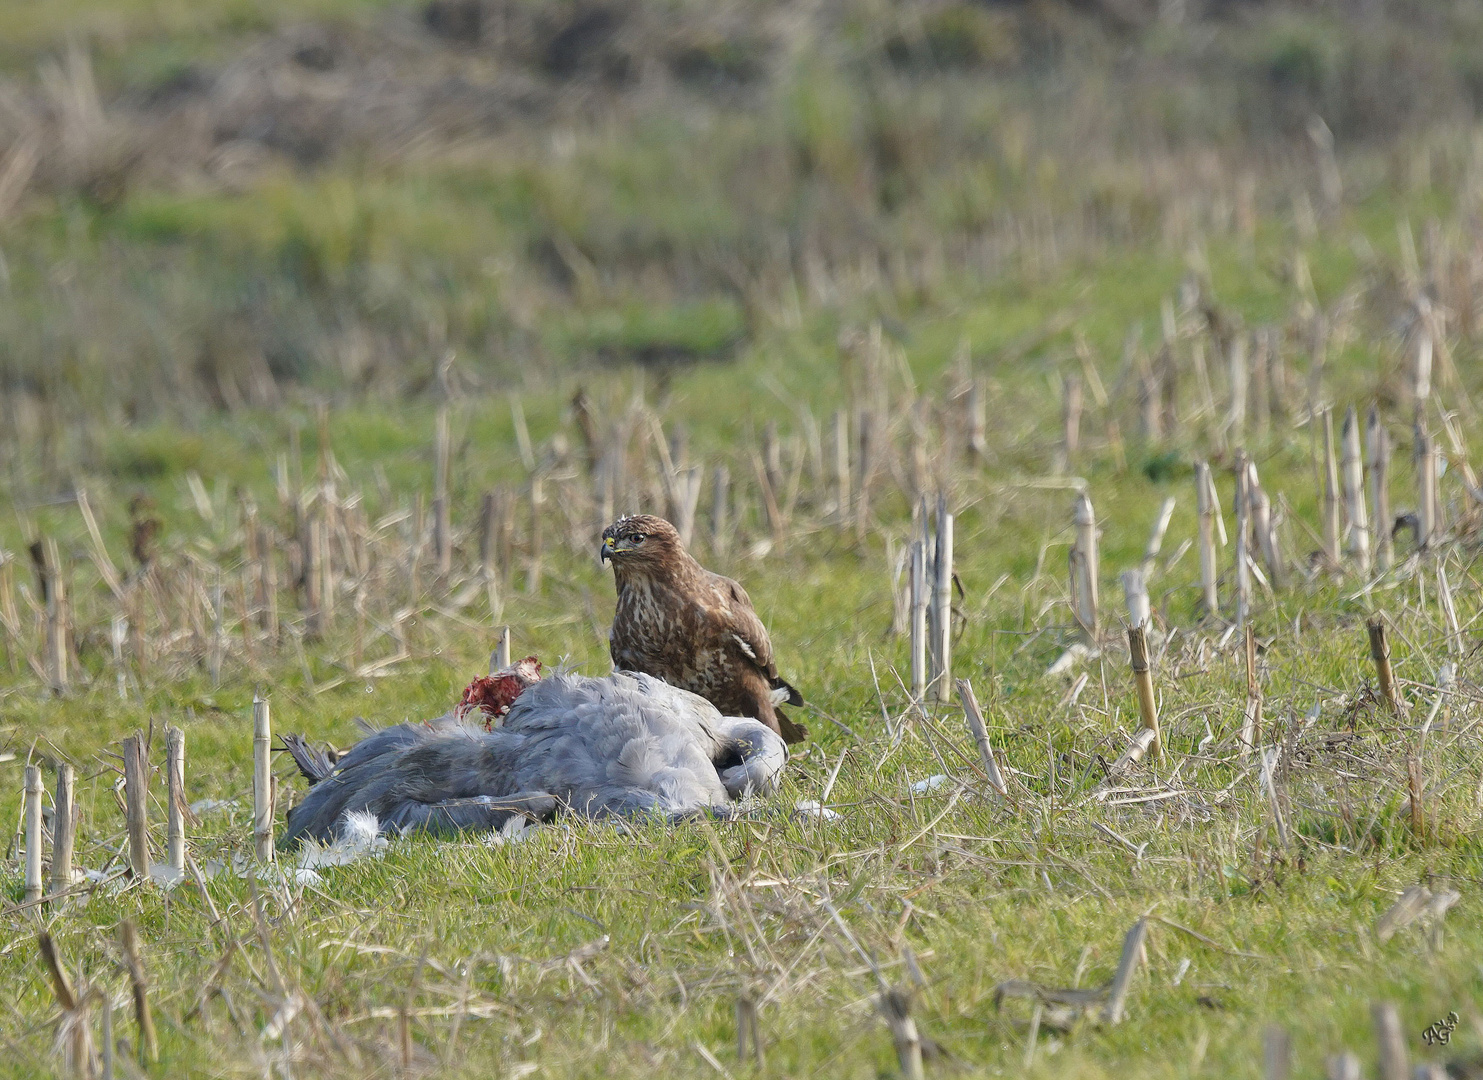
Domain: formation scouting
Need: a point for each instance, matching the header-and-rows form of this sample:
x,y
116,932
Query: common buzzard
x,y
694,629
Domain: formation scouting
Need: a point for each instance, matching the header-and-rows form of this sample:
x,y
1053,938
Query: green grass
x,y
894,180
979,894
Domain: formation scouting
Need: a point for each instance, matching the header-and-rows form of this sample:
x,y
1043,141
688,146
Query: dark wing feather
x,y
751,635
313,763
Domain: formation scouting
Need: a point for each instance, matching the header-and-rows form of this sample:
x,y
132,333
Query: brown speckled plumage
x,y
694,629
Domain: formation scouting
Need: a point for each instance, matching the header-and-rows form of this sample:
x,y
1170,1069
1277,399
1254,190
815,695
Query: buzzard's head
x,y
639,541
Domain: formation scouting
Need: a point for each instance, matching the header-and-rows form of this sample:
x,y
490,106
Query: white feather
x,y
165,876
744,646
809,808
779,696
515,828
932,783
360,836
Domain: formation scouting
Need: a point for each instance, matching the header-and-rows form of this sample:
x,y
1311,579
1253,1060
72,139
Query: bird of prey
x,y
694,629
624,745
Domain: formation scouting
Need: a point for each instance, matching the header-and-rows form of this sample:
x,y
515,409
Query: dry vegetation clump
x,y
333,203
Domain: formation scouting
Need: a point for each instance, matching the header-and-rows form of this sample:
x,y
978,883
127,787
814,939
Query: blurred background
x,y
225,206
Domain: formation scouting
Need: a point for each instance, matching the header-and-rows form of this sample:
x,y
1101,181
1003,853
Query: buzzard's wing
x,y
751,636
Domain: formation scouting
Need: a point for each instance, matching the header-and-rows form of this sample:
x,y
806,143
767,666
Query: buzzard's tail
x,y
791,731
783,693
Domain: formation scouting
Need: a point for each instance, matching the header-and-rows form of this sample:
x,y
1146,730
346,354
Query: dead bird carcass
x,y
626,745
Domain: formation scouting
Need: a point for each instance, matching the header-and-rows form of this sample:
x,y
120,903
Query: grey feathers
x,y
622,745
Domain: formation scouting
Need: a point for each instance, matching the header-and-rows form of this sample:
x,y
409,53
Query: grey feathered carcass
x,y
624,745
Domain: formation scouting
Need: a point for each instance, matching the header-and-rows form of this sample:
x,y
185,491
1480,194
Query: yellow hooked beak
x,y
606,549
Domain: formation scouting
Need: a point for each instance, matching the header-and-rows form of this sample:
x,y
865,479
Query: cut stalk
x,y
942,604
262,780
136,792
1354,495
1148,709
981,736
175,785
1330,494
1205,500
1084,564
63,828
1380,653
1379,454
32,813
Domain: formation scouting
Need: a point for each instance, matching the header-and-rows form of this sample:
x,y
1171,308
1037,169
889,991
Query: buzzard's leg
x,y
483,813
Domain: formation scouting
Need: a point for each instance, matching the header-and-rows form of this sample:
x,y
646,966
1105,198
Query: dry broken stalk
x,y
941,675
919,603
61,984
1330,494
1428,523
175,798
975,414
720,502
1135,594
1156,536
1243,539
1137,748
1391,1041
1127,964
262,782
149,1047
442,529
490,516
1416,786
1205,496
1084,566
1379,455
1238,381
748,1031
981,736
1148,709
1266,532
1380,653
1276,1053
63,828
32,812
1251,723
136,793
897,1009
1354,494
77,1045
867,435
48,561
840,439
1071,404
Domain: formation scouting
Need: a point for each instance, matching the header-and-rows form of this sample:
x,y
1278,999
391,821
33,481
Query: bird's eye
x,y
639,538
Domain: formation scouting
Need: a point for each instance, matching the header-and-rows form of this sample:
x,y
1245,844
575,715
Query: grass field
x,y
866,219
